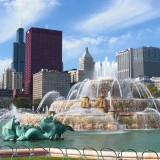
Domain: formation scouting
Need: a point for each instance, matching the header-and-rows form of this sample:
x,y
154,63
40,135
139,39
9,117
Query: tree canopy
x,y
22,102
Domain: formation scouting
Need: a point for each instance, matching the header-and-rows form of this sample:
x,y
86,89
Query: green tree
x,y
154,90
36,103
6,102
22,102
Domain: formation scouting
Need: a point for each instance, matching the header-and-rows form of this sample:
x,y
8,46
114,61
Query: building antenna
x,y
20,22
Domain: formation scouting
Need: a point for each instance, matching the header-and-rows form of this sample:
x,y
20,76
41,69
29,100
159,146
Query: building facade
x,y
43,50
2,81
73,76
17,80
12,79
86,65
135,62
86,69
6,93
6,96
124,62
7,79
19,52
45,81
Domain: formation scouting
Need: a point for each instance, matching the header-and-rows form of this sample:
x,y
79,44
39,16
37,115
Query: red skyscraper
x,y
43,50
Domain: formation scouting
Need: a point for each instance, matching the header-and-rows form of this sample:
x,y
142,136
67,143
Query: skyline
x,y
105,27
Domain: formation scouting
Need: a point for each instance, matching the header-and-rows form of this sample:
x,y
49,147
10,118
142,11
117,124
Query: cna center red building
x,y
43,50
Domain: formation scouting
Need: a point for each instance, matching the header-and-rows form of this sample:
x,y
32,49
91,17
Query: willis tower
x,y
19,52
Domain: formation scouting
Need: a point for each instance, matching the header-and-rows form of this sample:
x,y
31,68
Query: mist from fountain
x,y
115,80
74,87
13,111
136,87
9,113
148,93
110,101
80,88
77,111
54,95
74,92
105,69
149,118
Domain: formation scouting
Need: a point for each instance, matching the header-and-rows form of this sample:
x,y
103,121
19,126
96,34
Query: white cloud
x,y
73,47
114,40
28,11
4,63
121,14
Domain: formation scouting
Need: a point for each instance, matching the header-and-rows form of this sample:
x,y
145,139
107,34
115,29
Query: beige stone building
x,y
73,75
45,81
17,80
7,78
86,68
11,79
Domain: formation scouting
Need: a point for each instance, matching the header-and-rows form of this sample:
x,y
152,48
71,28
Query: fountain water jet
x,y
55,95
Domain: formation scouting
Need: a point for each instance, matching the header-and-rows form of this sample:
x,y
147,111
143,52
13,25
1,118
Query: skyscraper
x,y
19,52
43,50
135,62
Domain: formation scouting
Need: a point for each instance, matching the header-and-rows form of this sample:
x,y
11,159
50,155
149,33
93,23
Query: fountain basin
x,y
139,140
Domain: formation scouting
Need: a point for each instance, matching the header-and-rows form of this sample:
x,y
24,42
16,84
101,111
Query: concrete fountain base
x,y
112,120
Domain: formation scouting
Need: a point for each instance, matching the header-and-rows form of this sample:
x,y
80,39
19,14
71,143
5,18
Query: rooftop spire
x,y
20,22
86,54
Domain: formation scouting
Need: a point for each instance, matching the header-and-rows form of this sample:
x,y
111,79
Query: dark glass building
x,y
19,52
6,93
43,50
136,62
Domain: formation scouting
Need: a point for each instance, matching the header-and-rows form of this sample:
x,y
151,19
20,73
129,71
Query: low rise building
x,y
73,76
6,96
7,78
12,79
45,81
17,80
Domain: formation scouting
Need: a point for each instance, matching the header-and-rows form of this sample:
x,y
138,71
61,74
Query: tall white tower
x,y
86,64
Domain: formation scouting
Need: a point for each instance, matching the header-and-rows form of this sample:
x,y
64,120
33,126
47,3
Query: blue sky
x,y
105,26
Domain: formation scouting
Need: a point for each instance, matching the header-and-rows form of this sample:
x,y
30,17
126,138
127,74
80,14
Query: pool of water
x,y
139,140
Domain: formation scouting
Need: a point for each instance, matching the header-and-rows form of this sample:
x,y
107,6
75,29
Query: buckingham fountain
x,y
108,104
99,107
